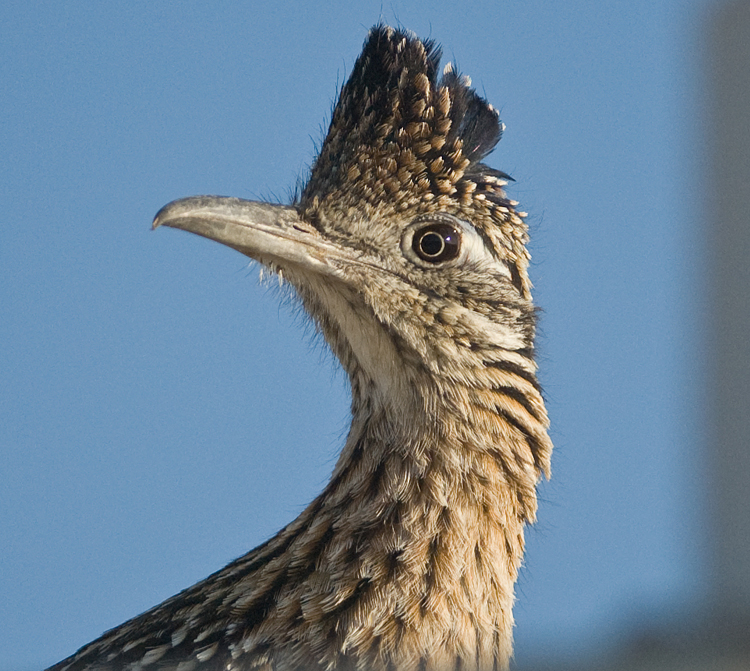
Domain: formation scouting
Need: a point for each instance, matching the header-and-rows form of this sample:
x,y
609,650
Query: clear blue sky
x,y
160,414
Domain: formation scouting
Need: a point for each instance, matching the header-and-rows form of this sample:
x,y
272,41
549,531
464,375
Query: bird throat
x,y
408,558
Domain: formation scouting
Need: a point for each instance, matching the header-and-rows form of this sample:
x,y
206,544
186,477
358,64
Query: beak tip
x,y
252,228
159,217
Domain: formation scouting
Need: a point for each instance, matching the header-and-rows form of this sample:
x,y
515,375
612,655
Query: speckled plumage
x,y
407,560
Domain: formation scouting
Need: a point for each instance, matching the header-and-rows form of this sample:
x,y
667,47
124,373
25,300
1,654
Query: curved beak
x,y
270,234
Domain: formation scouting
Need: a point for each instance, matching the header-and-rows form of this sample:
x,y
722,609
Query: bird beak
x,y
271,234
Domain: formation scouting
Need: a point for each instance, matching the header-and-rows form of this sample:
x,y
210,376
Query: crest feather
x,y
400,136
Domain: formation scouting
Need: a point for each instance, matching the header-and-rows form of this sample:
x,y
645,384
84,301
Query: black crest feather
x,y
400,132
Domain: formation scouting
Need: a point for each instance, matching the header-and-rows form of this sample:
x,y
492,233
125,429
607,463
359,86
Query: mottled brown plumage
x,y
411,260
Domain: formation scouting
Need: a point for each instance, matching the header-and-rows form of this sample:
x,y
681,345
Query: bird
x,y
407,254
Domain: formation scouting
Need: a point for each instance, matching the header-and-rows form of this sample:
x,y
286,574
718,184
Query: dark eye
x,y
436,242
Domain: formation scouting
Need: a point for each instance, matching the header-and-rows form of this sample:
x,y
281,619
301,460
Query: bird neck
x,y
424,517
408,558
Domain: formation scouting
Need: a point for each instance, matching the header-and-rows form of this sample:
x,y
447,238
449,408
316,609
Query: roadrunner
x,y
411,260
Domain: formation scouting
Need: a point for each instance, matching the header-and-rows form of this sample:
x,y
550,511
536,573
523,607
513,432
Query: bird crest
x,y
403,142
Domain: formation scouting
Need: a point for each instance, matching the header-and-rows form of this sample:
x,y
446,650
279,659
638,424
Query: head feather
x,y
400,137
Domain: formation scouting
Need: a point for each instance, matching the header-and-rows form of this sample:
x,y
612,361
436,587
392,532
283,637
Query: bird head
x,y
402,246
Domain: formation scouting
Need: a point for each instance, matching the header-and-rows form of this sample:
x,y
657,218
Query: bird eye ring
x,y
436,242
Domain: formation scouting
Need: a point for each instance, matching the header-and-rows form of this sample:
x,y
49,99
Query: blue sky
x,y
161,414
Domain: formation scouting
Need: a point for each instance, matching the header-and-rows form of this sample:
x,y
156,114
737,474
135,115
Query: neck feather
x,y
405,562
409,557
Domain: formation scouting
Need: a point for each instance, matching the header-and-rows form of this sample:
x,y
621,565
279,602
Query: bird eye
x,y
436,242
